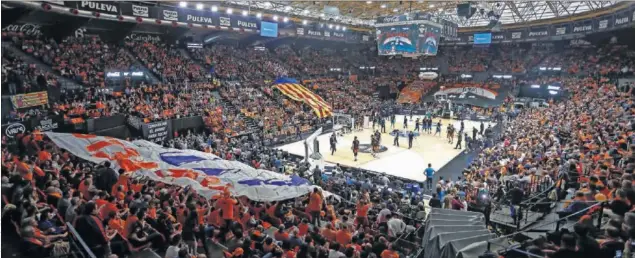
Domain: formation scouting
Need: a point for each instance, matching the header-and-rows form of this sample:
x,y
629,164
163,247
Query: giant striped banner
x,y
298,92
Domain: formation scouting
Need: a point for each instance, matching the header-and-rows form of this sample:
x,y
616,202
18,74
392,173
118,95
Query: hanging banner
x,y
33,99
158,131
206,173
47,123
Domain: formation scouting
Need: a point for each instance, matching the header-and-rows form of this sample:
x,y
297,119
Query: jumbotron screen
x,y
411,39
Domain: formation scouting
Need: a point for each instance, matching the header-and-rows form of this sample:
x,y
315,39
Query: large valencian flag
x,y
300,93
206,173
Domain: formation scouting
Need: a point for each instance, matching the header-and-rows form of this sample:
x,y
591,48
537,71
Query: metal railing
x,y
76,242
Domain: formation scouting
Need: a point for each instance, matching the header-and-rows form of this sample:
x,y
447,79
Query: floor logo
x,y
366,148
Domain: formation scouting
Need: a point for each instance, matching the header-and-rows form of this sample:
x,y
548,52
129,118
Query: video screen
x,y
482,38
408,40
269,29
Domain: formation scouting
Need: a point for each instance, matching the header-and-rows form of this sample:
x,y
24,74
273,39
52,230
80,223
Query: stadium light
x,y
305,11
183,4
229,11
431,5
199,6
214,8
383,6
304,22
337,27
287,8
275,17
286,19
369,2
330,26
259,15
245,13
322,15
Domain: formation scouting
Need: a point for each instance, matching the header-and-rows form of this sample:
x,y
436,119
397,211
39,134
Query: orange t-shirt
x,y
227,206
201,215
213,218
362,210
108,207
329,234
343,237
389,254
303,229
44,155
130,221
315,202
117,224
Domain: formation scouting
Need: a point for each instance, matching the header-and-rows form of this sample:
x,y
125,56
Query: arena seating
x,y
583,143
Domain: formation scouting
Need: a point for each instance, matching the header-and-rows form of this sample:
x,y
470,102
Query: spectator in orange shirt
x,y
226,205
362,213
315,206
343,236
389,253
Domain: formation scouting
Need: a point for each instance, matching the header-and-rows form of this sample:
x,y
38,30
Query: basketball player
x,y
396,140
438,129
405,122
392,121
411,136
417,125
355,147
450,134
373,144
333,141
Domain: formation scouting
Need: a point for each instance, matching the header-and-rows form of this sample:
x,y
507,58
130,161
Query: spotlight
x,y
199,6
287,8
344,28
245,13
369,2
214,8
183,4
383,6
275,17
431,6
337,27
330,26
259,15
286,19
229,11
322,15
305,11
304,22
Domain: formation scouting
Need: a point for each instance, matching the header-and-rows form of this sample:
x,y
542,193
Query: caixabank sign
x,y
556,31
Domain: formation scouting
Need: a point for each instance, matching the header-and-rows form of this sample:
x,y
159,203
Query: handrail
x,y
80,240
555,221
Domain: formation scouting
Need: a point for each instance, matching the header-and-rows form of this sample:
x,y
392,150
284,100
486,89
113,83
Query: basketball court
x,y
397,161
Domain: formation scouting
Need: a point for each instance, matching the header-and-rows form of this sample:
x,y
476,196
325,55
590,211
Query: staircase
x,y
151,75
64,82
228,107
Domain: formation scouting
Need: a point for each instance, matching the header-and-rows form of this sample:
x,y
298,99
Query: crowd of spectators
x,y
167,61
20,77
82,59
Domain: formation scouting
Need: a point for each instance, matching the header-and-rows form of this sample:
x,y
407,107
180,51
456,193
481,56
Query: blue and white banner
x,y
206,173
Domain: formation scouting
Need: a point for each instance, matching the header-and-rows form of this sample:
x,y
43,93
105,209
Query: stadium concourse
x,y
132,129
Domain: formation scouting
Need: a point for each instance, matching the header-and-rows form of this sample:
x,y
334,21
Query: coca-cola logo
x,y
28,29
391,19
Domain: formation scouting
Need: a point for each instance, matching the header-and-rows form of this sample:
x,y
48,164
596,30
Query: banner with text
x,y
158,131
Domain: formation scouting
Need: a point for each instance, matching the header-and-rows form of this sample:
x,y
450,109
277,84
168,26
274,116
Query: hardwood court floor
x,y
398,161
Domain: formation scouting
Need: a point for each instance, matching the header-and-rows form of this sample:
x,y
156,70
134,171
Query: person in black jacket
x,y
91,229
435,202
106,177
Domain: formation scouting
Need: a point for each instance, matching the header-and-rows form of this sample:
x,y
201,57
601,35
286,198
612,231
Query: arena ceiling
x,y
365,12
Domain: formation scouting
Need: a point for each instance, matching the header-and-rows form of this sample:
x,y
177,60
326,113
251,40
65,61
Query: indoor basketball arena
x,y
310,129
